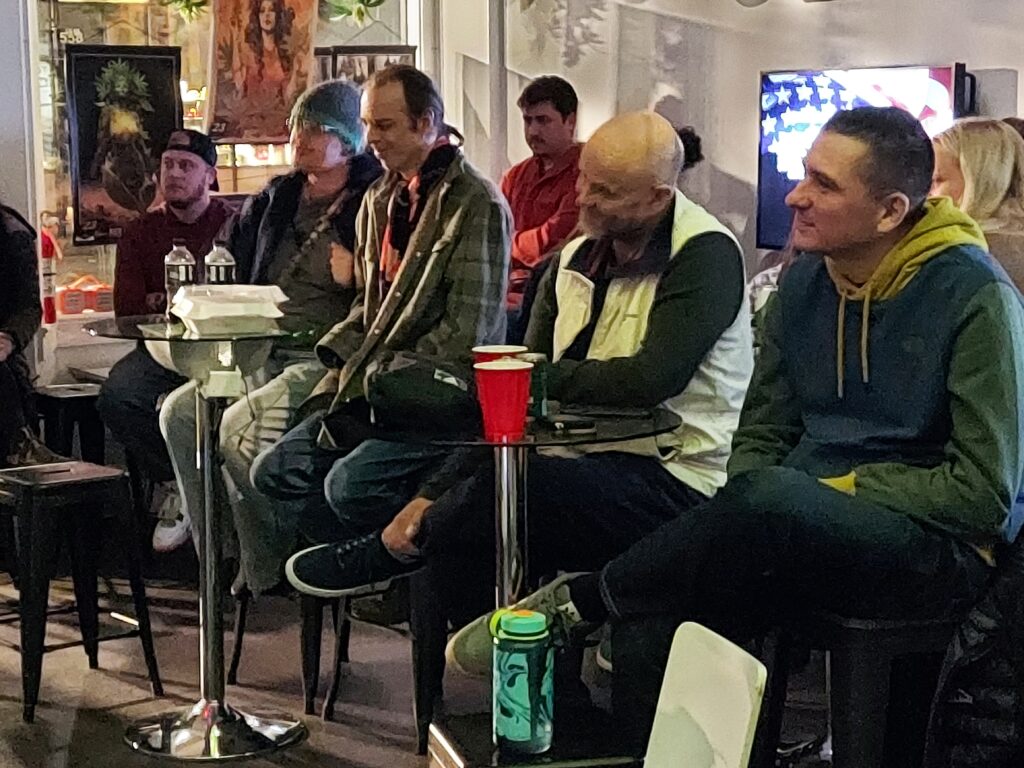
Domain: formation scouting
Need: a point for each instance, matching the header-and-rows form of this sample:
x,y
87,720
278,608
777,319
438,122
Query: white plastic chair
x,y
709,703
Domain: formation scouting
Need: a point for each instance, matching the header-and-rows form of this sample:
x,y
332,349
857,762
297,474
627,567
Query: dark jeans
x,y
773,542
17,411
336,496
581,513
128,406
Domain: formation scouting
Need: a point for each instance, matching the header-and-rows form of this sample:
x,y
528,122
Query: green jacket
x,y
907,391
450,293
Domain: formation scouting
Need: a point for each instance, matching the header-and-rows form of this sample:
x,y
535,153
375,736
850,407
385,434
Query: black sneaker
x,y
355,567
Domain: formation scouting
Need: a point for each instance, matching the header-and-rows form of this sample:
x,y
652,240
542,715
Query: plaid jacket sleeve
x,y
477,276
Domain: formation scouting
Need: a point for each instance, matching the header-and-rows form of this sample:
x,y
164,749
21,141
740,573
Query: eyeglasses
x,y
310,129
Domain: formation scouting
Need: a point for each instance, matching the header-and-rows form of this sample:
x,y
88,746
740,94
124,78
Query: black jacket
x,y
20,313
265,217
977,717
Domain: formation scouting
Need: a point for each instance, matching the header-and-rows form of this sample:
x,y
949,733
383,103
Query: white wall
x,y
17,179
20,148
710,52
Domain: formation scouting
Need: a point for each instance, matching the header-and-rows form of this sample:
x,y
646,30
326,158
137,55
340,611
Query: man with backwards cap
x,y
129,398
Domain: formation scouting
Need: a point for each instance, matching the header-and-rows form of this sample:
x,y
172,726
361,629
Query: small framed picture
x,y
355,63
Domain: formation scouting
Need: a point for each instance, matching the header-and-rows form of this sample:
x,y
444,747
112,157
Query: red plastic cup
x,y
503,388
488,352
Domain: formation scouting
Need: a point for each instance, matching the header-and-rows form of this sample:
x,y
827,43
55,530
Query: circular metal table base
x,y
211,732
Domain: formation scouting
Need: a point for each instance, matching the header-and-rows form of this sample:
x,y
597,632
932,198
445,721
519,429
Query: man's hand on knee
x,y
401,532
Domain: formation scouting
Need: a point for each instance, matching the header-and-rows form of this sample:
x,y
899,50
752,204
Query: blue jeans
x,y
336,496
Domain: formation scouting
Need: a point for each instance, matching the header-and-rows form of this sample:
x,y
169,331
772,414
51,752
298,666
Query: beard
x,y
611,226
184,199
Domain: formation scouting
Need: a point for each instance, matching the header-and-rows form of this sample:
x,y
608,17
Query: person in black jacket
x,y
20,316
298,234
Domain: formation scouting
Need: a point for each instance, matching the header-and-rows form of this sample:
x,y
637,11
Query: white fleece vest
x,y
697,452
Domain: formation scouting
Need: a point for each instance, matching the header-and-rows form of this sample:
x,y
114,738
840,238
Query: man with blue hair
x,y
299,234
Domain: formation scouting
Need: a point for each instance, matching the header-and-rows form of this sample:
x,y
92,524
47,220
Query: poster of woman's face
x,y
263,51
123,103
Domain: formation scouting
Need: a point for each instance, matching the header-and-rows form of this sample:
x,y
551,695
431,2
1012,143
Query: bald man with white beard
x,y
646,310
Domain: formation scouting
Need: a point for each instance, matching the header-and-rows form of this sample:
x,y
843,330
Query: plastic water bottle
x,y
179,270
522,682
220,265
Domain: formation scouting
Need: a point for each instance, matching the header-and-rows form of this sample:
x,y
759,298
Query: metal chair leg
x,y
35,530
312,626
83,542
133,546
342,634
242,600
429,629
775,652
858,722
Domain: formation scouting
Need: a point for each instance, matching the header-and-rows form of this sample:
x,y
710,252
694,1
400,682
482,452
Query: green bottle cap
x,y
522,625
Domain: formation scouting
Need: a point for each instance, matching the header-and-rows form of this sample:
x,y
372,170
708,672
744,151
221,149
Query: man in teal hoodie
x,y
879,456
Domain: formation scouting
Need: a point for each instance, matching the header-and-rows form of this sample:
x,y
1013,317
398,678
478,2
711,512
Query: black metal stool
x,y
72,498
863,654
312,610
63,407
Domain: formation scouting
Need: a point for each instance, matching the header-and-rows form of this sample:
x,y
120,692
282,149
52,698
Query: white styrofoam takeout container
x,y
218,311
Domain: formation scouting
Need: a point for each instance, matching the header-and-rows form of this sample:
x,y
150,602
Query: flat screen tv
x,y
796,105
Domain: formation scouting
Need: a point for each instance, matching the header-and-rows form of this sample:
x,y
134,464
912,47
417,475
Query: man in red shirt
x,y
130,398
541,190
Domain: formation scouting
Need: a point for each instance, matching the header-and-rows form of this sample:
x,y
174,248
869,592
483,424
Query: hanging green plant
x,y
357,10
190,10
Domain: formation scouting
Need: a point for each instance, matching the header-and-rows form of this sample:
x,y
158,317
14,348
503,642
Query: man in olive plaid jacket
x,y
431,266
449,289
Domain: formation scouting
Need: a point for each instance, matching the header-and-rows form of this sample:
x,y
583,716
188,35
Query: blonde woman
x,y
979,163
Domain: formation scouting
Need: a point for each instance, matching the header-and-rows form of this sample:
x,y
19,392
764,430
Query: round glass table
x,y
211,729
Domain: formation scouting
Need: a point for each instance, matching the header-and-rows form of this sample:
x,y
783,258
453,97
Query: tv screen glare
x,y
796,105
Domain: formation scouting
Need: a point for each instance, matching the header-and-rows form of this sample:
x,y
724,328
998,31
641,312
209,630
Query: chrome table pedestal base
x,y
212,731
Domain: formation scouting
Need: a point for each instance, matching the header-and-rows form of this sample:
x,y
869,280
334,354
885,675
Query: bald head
x,y
639,143
628,172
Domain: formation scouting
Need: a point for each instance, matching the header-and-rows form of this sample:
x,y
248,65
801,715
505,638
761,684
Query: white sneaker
x,y
604,654
174,527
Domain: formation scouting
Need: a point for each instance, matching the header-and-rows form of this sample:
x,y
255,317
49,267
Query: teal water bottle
x,y
523,682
